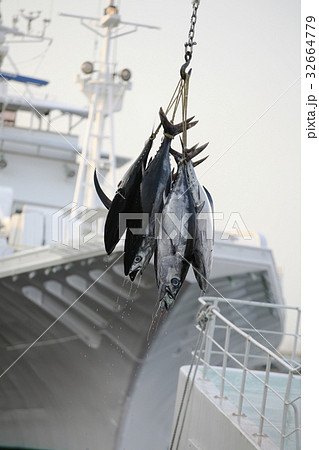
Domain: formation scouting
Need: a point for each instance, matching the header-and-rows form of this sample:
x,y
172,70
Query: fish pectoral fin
x,y
198,208
173,249
166,192
149,162
164,198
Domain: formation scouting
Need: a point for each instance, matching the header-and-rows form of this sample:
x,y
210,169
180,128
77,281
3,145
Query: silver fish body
x,y
174,247
204,229
204,224
155,186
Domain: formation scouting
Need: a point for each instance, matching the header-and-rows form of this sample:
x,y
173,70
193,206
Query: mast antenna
x,y
105,89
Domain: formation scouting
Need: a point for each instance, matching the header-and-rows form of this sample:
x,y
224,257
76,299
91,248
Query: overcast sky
x,y
245,92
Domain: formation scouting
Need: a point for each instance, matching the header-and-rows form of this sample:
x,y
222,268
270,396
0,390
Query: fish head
x,y
136,267
141,260
170,280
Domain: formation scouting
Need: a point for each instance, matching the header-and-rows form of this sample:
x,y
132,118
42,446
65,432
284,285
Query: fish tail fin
x,y
190,153
103,197
194,151
173,130
196,163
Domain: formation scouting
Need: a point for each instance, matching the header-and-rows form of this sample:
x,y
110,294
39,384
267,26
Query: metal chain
x,y
189,45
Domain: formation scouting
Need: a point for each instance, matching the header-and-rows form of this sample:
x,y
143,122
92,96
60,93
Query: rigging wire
x,y
33,58
42,57
43,54
202,321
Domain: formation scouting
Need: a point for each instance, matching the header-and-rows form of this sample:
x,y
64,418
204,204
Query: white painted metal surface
x,y
225,263
46,256
210,426
105,93
240,407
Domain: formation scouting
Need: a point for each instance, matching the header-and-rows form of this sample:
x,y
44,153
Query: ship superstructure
x,y
83,357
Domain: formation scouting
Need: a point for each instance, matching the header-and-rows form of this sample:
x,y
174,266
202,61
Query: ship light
x,y
110,10
125,74
87,67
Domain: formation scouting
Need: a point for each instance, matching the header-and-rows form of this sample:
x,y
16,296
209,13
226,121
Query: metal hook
x,y
188,57
183,70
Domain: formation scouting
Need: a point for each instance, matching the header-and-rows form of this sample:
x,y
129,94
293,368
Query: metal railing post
x,y
218,322
227,339
243,379
294,350
297,423
285,410
209,339
264,399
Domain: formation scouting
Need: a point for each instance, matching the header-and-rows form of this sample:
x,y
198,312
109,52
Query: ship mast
x,y
105,90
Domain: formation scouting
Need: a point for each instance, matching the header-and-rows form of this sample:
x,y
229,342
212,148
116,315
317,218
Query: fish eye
x,y
175,281
137,259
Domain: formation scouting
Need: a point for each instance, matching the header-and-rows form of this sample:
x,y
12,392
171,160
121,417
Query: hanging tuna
x,y
179,226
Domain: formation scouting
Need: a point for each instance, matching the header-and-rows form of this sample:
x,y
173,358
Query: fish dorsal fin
x,y
177,156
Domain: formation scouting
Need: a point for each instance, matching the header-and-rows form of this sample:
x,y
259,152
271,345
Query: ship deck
x,y
274,407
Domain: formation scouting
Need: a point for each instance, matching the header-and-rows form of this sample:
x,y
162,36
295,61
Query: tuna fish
x,y
124,199
157,176
204,227
175,246
145,251
156,184
204,241
132,242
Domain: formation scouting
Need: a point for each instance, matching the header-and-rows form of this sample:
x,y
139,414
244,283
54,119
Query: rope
x,y
174,99
182,88
184,111
178,98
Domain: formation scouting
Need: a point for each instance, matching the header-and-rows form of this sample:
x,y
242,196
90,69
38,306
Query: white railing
x,y
285,398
